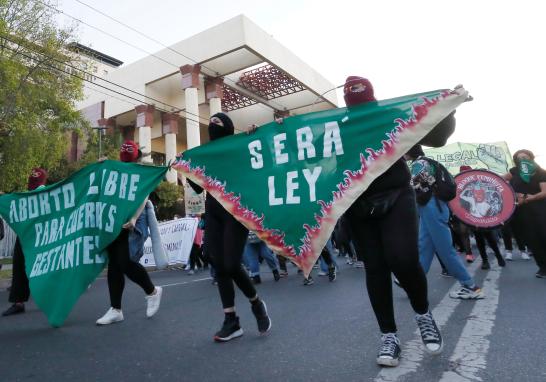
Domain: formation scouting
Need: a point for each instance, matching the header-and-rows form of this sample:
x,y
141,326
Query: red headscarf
x,y
357,90
37,178
128,151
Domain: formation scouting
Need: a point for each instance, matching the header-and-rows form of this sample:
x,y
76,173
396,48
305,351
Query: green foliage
x,y
167,196
37,99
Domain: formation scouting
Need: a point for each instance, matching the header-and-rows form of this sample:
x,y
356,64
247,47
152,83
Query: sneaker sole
x,y
108,323
480,297
391,362
232,336
434,352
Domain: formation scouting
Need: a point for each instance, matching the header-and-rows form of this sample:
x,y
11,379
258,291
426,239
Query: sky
x,y
496,49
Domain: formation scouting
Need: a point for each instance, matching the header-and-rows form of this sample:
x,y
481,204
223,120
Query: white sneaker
x,y
359,264
525,256
153,302
508,256
111,316
322,273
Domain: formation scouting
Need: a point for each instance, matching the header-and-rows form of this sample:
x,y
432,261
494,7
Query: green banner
x,y
494,156
65,228
291,182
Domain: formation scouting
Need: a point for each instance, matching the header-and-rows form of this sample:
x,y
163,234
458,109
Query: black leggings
x,y
507,235
390,244
20,290
197,258
529,221
225,240
119,264
489,236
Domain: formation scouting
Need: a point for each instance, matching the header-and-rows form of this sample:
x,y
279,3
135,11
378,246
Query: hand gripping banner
x,y
65,228
291,182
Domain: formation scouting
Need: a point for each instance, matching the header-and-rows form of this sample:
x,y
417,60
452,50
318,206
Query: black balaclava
x,y
415,152
217,131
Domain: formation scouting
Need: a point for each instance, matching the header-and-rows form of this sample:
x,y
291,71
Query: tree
x,y
37,91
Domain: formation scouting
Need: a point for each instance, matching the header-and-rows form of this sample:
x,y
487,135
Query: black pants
x,y
530,222
390,244
507,235
282,263
225,240
196,257
489,236
462,231
120,264
20,290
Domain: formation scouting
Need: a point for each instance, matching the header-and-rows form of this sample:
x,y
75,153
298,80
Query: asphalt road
x,y
323,332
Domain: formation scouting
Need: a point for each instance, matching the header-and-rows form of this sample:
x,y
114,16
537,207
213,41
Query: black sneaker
x,y
260,312
541,274
256,279
389,352
308,281
276,275
14,309
485,265
230,330
430,334
332,274
501,261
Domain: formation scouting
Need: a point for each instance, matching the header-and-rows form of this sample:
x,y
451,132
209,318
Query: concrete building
x,y
234,67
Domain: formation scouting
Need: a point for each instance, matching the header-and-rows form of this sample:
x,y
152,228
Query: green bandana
x,y
527,168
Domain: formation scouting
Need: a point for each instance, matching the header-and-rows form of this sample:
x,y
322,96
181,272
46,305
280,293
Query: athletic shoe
x,y
332,274
485,265
111,316
359,264
230,330
283,273
153,301
191,272
308,281
14,309
276,275
501,261
466,293
322,273
469,258
525,256
430,334
445,273
350,261
256,279
508,256
316,266
262,319
389,352
541,274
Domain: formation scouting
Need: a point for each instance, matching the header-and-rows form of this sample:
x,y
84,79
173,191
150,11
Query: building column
x,y
144,123
170,129
214,93
190,84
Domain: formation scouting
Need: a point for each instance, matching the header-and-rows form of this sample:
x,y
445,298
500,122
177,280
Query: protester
x,y
386,239
528,180
434,233
20,290
254,250
225,239
123,255
197,259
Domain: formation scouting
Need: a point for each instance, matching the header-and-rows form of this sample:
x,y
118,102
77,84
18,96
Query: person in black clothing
x,y
528,180
225,240
20,289
384,229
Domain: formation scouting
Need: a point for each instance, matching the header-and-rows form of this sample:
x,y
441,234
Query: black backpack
x,y
445,188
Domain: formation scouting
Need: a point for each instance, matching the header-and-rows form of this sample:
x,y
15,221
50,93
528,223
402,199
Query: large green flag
x,y
65,228
291,182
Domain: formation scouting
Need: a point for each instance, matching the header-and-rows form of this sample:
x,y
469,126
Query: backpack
x,y
445,187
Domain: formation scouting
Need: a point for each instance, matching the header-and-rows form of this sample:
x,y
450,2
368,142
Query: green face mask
x,y
527,168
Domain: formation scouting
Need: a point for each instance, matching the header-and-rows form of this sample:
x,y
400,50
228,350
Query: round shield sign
x,y
484,199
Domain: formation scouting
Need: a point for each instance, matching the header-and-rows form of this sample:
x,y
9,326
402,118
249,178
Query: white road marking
x,y
412,350
469,356
186,282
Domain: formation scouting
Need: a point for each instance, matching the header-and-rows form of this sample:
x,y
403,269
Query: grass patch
x,y
6,260
5,273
